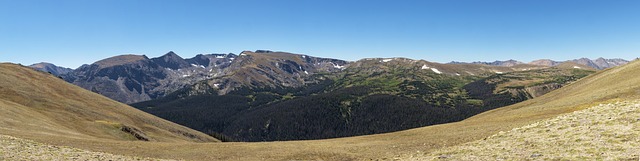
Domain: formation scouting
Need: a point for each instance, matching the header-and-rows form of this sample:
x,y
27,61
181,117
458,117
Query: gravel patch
x,y
12,148
603,132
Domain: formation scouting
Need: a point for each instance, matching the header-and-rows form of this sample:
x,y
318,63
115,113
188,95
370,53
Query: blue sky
x,y
74,32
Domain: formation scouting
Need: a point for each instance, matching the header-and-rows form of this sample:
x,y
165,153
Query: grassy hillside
x,y
38,105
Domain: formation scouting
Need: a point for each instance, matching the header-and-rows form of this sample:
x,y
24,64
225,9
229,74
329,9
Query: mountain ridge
x,y
599,63
134,78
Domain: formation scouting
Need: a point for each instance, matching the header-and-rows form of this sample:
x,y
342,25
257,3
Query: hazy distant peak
x,y
51,68
41,65
544,62
506,63
599,63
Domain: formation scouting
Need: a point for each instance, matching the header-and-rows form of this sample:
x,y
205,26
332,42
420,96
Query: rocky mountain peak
x,y
544,62
120,60
171,60
171,54
273,70
216,60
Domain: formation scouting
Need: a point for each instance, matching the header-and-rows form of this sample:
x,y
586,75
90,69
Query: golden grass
x,y
35,103
621,83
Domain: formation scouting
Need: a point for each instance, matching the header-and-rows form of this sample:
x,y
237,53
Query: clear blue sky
x,y
74,32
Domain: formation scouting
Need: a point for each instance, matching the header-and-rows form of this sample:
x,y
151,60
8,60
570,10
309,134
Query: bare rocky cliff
x,y
135,78
533,91
267,69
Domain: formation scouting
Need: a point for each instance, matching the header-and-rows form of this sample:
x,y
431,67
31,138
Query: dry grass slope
x,y
38,106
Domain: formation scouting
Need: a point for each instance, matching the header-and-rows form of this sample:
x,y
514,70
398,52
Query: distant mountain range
x,y
284,96
600,63
136,78
265,95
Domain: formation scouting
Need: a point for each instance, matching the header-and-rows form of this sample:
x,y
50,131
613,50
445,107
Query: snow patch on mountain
x,y
200,66
436,70
432,69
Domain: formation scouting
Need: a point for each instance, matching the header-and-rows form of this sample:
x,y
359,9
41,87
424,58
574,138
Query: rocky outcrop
x,y
533,91
134,132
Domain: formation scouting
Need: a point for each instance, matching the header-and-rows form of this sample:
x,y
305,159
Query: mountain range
x,y
595,110
229,96
599,63
137,78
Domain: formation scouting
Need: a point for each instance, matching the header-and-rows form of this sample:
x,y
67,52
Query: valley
x,y
402,144
291,99
278,96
